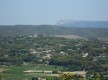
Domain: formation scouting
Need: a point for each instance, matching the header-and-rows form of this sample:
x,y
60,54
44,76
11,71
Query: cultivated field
x,y
69,36
25,72
19,72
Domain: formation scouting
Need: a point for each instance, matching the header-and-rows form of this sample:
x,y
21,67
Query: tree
x,y
97,76
67,76
1,76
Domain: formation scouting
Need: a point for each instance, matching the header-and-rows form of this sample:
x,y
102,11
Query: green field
x,y
16,72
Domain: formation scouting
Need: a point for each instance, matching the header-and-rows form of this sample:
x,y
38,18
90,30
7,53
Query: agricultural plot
x,y
17,72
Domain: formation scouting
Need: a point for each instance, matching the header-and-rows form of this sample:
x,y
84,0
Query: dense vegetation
x,y
73,54
20,46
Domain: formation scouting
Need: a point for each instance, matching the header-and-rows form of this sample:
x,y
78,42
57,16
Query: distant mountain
x,y
54,30
85,24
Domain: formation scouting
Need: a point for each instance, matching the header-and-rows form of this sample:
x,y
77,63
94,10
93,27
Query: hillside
x,y
54,30
33,29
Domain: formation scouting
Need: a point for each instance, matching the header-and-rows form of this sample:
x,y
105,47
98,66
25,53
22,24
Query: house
x,y
47,51
63,53
47,57
85,54
33,51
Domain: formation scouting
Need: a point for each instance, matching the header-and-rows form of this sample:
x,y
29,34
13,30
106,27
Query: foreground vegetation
x,y
25,52
17,73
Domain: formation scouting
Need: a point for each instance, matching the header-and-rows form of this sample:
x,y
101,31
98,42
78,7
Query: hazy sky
x,y
50,11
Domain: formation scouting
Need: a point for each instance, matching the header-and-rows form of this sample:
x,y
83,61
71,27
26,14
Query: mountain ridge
x,y
82,23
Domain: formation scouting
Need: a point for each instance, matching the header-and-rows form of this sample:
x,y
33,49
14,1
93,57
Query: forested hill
x,y
53,30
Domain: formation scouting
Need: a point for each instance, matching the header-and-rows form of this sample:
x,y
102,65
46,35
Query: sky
x,y
36,12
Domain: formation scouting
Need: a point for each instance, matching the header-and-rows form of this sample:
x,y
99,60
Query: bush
x,y
34,78
54,72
